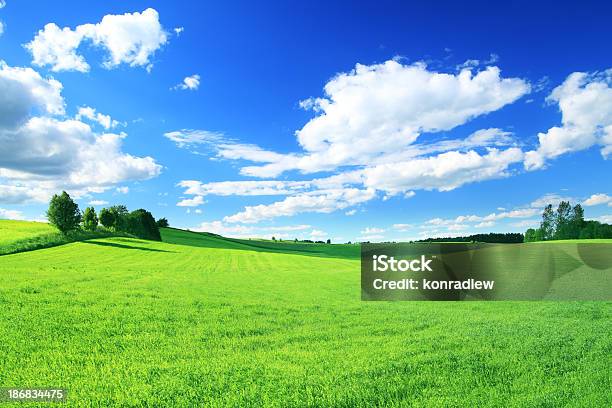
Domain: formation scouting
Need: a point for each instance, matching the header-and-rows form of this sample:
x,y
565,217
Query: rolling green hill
x,y
210,321
208,240
22,236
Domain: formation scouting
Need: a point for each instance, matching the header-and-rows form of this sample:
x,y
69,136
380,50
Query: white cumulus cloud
x,y
189,83
585,101
549,198
598,199
87,112
41,153
443,172
190,137
191,202
380,109
130,38
320,201
243,188
24,91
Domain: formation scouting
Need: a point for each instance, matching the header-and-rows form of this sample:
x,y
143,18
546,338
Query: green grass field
x,y
201,320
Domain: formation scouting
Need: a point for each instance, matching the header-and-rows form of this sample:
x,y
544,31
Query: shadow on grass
x,y
122,246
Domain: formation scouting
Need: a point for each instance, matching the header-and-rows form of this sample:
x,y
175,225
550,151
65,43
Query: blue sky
x,y
253,119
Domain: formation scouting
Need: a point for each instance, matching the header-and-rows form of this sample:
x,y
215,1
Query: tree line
x,y
493,238
65,214
567,222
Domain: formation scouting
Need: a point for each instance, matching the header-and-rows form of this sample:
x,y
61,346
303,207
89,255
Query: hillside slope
x,y
22,236
208,240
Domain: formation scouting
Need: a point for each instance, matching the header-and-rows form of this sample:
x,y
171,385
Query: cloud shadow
x,y
122,246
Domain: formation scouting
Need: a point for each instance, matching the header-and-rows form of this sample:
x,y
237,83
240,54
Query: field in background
x,y
205,320
208,240
11,231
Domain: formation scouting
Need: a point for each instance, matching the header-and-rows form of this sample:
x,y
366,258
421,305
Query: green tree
x,y
64,213
539,235
107,218
548,223
90,219
589,231
608,231
142,224
162,223
563,220
120,213
576,221
530,235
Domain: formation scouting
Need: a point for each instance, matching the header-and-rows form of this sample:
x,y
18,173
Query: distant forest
x,y
567,222
493,237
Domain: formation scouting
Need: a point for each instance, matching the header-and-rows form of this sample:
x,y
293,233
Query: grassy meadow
x,y
202,320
